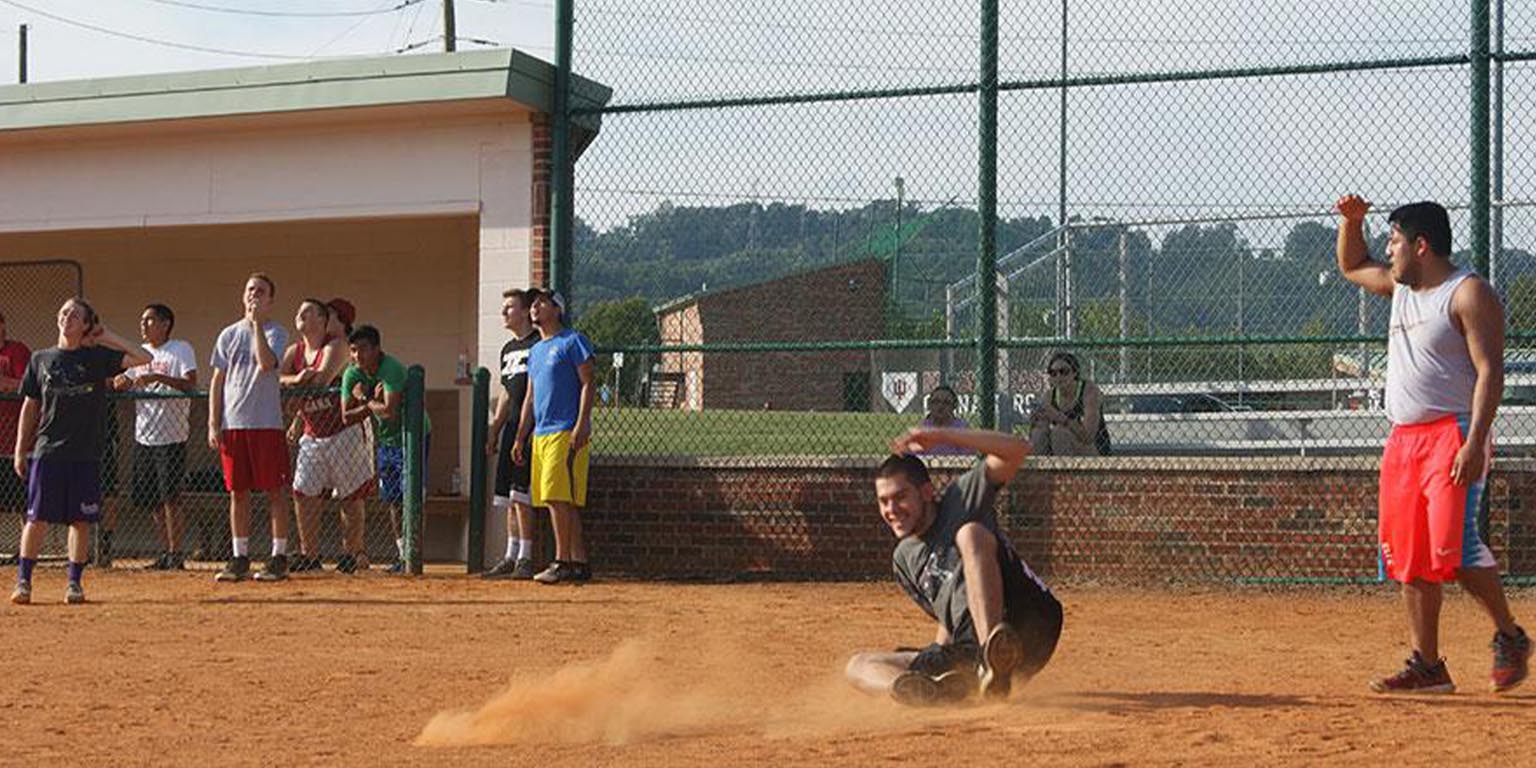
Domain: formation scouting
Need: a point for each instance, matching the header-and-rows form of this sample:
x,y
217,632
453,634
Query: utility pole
x,y
21,67
450,28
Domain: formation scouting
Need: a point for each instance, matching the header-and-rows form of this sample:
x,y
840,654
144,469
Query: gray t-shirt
x,y
252,399
929,568
71,386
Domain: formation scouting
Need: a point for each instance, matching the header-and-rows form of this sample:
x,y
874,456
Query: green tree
x,y
620,323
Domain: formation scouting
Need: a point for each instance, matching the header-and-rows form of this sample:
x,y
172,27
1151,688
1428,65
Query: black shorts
x,y
1033,612
512,480
157,473
13,490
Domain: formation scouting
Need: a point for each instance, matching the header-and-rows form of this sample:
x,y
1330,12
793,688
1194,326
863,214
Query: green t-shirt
x,y
392,375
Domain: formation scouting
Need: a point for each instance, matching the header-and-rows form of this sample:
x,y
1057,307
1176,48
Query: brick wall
x,y
1113,520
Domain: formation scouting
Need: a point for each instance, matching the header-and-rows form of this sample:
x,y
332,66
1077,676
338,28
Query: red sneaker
x,y
1417,676
1511,660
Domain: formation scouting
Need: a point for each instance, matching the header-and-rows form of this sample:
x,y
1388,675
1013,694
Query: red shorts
x,y
1428,525
254,459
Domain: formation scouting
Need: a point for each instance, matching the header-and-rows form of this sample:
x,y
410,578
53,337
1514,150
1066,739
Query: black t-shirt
x,y
72,387
514,377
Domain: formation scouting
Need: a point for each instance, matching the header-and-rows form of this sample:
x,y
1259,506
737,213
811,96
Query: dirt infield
x,y
173,669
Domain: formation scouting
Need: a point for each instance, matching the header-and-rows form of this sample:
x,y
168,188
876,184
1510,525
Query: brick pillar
x,y
543,145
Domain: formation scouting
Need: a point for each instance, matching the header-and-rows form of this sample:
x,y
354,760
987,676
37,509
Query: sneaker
x,y
523,571
916,689
275,570
346,564
74,594
397,567
161,563
302,563
558,572
237,569
1511,660
1000,656
22,594
176,561
581,572
501,570
1417,676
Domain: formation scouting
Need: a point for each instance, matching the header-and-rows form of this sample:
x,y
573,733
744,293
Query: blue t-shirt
x,y
552,368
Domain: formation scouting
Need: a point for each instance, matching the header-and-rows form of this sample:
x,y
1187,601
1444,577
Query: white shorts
x,y
341,463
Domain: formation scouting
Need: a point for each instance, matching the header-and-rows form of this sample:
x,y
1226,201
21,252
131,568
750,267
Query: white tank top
x,y
1429,371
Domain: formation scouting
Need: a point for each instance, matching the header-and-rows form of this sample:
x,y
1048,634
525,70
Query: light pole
x,y
896,254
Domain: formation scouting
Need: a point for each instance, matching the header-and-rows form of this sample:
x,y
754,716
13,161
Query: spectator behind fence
x,y
61,425
373,387
245,425
161,428
13,364
332,455
1070,422
558,413
942,402
512,479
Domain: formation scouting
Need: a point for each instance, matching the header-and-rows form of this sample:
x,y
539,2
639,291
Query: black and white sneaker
x,y
237,569
276,569
501,570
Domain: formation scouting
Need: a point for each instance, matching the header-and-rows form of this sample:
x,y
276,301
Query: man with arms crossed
x,y
996,619
160,427
62,419
373,386
332,455
1445,376
512,478
558,413
245,425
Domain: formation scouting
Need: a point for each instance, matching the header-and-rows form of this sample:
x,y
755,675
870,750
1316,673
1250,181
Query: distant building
x,y
839,303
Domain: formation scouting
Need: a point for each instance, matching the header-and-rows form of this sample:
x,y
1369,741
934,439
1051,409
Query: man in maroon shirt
x,y
14,356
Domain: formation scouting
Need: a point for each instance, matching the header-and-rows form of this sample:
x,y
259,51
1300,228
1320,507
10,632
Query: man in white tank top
x,y
1445,376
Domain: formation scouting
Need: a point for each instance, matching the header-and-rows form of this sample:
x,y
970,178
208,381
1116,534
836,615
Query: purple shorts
x,y
62,491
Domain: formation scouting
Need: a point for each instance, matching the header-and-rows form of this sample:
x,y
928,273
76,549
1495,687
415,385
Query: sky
x,y
1157,151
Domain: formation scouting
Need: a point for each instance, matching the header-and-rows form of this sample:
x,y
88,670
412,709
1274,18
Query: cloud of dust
x,y
614,701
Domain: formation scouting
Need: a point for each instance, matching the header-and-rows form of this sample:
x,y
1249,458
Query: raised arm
x,y
1355,264
1004,453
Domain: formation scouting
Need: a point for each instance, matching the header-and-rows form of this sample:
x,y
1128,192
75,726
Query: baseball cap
x,y
344,310
553,296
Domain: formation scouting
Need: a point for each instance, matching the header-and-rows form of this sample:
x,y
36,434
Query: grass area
x,y
644,431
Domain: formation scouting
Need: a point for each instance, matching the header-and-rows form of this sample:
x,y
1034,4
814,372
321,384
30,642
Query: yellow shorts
x,y
558,474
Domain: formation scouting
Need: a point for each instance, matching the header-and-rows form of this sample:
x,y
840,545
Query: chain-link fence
x,y
164,503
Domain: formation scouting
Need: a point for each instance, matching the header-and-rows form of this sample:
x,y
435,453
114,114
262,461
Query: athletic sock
x,y
400,547
279,547
242,546
524,549
512,548
24,569
76,570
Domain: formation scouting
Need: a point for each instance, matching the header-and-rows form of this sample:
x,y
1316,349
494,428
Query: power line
x,y
152,40
349,30
403,4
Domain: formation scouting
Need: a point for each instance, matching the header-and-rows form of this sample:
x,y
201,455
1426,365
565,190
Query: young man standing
x,y
996,619
245,425
13,364
373,387
331,454
557,411
161,427
61,425
512,478
1445,376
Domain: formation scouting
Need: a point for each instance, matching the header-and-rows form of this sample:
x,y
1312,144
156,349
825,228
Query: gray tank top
x,y
1429,371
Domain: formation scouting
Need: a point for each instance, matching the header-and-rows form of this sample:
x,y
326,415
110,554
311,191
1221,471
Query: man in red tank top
x,y
332,456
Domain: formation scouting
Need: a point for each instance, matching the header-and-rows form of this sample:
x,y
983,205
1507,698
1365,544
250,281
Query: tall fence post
x,y
562,175
1479,138
479,427
415,467
986,203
